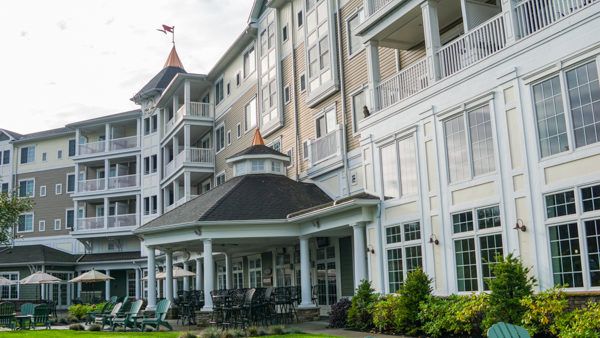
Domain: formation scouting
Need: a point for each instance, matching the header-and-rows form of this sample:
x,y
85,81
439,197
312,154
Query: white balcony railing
x,y
175,204
476,45
125,181
204,156
533,15
92,148
91,185
325,147
90,223
197,109
122,143
119,221
403,84
375,5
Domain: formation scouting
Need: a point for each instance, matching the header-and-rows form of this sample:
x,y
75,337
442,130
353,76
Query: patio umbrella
x,y
5,281
177,273
39,278
91,276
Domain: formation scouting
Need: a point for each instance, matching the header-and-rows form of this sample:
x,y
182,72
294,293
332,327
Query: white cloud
x,y
69,60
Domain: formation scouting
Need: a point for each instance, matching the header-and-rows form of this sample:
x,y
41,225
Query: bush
x,y
455,315
511,283
385,312
94,327
542,311
360,314
211,332
187,335
581,322
415,290
339,313
277,330
76,327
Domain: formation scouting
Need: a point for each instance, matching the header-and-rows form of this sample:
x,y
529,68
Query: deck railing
x,y
90,223
92,148
533,15
91,185
375,5
118,221
403,84
125,181
197,109
122,143
326,146
190,155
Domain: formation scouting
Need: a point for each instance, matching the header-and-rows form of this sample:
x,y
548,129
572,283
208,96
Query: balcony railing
x,y
126,181
476,45
533,15
119,221
122,143
375,5
90,223
197,109
325,147
403,84
91,185
92,148
204,156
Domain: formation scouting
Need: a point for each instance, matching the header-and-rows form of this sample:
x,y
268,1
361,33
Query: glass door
x,y
326,277
61,293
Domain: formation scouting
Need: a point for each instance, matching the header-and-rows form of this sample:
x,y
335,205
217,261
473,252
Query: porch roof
x,y
35,254
110,257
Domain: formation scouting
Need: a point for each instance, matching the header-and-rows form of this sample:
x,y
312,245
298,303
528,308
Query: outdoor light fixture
x,y
520,225
370,249
433,239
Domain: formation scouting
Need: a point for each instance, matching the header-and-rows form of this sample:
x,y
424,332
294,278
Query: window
x,y
249,62
318,45
44,157
326,123
305,150
42,191
57,224
25,223
250,112
229,137
59,154
131,283
146,205
276,166
153,123
221,276
70,219
27,154
302,82
238,79
477,242
27,188
146,126
404,252
276,145
70,182
153,163
470,148
10,291
399,168
300,19
258,165
58,189
237,271
290,155
354,41
228,88
566,257
590,197
72,146
583,104
220,179
6,157
219,91
239,130
146,165
268,70
154,203
42,225
359,101
4,188
560,204
286,94
254,272
284,33
220,138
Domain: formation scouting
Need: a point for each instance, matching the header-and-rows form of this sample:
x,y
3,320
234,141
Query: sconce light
x,y
370,249
317,224
520,225
433,239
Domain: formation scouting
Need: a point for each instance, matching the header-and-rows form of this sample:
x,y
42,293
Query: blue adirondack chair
x,y
504,330
160,315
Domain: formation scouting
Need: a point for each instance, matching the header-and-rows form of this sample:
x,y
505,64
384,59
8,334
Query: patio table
x,y
22,320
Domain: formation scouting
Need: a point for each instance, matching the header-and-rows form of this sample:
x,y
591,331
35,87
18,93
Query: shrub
x,y
187,335
211,332
360,314
94,327
72,319
415,290
277,330
384,313
581,322
76,327
253,331
339,313
542,311
510,284
455,315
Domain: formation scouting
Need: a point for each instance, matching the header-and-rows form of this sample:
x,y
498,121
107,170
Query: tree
x,y
11,206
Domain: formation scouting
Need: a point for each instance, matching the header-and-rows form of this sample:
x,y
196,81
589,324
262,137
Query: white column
x,y
79,286
75,210
43,286
187,95
372,48
305,285
175,104
186,280
107,286
106,206
77,169
360,253
77,143
151,279
199,274
138,169
228,273
431,29
107,137
139,132
510,24
187,185
208,275
169,275
175,288
138,209
138,294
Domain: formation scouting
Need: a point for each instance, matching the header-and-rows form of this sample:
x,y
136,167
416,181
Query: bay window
x,y
399,168
268,70
318,44
250,115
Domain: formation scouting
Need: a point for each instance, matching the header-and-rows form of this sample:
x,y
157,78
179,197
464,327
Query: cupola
x,y
258,159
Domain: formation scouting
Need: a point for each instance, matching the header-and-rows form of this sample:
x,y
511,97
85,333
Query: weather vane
x,y
170,29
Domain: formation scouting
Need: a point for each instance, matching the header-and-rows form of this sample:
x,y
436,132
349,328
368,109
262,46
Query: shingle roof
x,y
110,256
12,134
248,197
358,196
46,133
29,254
258,150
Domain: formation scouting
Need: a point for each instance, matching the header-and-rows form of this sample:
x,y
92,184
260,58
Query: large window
x,y
399,168
27,188
27,154
268,69
477,242
5,157
72,146
326,123
583,103
354,41
70,182
249,62
359,101
404,252
573,218
25,223
221,276
250,114
10,291
219,91
317,40
254,272
469,144
220,138
237,271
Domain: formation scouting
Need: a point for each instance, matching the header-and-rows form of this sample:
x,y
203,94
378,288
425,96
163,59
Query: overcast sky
x,y
69,60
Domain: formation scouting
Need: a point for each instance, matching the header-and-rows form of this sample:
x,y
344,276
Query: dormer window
x,y
275,166
258,166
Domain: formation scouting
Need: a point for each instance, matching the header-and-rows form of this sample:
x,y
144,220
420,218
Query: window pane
x,y
566,258
462,222
408,166
358,102
393,234
482,143
466,266
590,197
560,204
488,217
354,41
389,167
412,231
490,247
584,97
395,274
414,258
456,149
592,233
550,117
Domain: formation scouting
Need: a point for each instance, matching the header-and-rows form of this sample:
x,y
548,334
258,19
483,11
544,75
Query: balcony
x,y
120,182
114,183
326,147
103,223
373,6
197,110
89,223
112,145
120,221
190,156
91,185
403,84
179,202
534,15
92,148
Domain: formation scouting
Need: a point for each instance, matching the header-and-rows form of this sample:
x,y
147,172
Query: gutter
x,y
333,209
205,223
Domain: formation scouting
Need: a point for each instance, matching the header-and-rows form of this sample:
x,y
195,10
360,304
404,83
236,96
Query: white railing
x,y
403,84
190,155
326,146
91,185
92,148
123,143
533,15
375,5
90,223
476,45
118,221
175,204
197,109
126,181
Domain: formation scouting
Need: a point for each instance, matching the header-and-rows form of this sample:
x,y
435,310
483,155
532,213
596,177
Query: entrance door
x,y
327,293
61,293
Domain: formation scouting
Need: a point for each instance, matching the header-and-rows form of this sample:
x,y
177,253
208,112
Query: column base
x,y
308,314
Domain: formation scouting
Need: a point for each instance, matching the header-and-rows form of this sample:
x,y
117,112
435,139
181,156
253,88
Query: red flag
x,y
168,29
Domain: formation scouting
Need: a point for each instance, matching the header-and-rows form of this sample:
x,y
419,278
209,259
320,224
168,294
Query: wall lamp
x,y
520,225
434,240
370,249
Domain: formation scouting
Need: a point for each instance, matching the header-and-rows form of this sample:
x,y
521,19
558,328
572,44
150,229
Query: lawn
x,y
85,334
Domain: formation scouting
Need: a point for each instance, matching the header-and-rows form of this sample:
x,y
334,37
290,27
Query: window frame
x,y
74,182
8,275
396,143
44,189
355,14
221,126
362,90
218,176
58,189
57,224
248,126
41,225
32,223
402,245
30,153
32,190
247,56
254,282
67,226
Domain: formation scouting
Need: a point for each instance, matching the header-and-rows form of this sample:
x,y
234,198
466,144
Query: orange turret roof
x,y
173,59
258,140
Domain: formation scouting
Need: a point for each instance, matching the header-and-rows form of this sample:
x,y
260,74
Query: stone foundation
x,y
579,299
308,314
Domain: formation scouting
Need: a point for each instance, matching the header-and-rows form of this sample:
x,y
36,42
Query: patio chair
x,y
504,330
159,318
7,315
104,319
129,318
27,309
41,315
106,308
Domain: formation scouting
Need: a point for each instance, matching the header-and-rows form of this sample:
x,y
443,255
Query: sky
x,y
63,61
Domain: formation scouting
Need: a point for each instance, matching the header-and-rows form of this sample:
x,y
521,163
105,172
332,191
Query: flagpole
x,y
173,36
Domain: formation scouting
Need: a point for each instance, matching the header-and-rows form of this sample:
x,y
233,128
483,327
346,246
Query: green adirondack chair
x,y
159,318
7,315
41,316
128,319
104,319
504,330
27,309
106,308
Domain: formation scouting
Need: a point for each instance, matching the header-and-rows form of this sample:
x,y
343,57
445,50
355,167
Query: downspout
x,y
294,77
380,247
343,96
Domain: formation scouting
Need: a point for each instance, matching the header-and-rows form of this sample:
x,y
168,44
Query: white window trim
x,y
250,270
214,87
67,182
66,218
239,272
402,245
395,142
289,98
222,173
228,137
363,89
42,225
32,223
350,53
27,179
246,51
57,224
43,191
256,115
238,129
58,189
17,285
219,126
